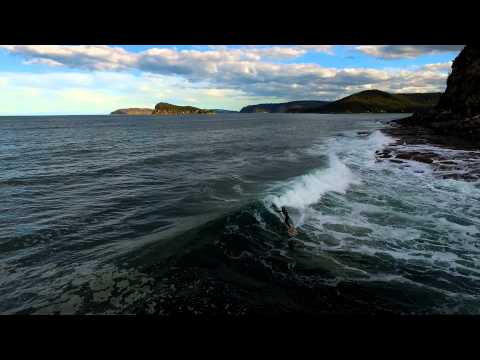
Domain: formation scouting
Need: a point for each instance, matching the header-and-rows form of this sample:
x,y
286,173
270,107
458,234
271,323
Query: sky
x,y
98,79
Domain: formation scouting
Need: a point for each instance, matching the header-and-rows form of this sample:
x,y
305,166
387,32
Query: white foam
x,y
404,211
307,189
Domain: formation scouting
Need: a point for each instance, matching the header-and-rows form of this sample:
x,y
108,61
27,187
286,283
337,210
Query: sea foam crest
x,y
307,189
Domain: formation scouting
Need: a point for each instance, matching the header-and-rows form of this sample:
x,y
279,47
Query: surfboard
x,y
292,231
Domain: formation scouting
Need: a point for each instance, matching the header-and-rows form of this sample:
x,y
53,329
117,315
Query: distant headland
x,y
368,101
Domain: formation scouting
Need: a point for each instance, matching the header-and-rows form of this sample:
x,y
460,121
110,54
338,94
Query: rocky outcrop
x,y
132,111
458,110
169,109
462,96
454,124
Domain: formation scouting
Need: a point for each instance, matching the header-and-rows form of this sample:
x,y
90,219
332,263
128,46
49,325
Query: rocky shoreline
x,y
450,157
447,136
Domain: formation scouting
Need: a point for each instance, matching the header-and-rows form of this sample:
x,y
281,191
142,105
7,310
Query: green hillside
x,y
376,101
170,109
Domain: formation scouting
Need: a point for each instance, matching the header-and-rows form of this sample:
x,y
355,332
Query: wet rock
x,y
423,158
461,164
385,154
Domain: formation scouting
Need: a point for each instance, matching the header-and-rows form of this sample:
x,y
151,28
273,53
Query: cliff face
x,y
132,111
462,96
458,111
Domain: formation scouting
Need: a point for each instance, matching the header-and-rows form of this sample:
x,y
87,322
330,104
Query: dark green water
x,y
172,215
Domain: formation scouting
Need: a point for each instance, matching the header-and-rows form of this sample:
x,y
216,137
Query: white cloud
x,y
97,57
41,61
406,51
219,77
446,66
317,48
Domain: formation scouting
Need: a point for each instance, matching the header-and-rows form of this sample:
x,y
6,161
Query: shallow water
x,y
173,215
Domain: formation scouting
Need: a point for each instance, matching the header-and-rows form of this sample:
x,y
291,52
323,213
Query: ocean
x,y
173,216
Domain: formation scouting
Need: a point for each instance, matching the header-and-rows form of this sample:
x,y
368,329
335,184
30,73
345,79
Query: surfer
x,y
288,221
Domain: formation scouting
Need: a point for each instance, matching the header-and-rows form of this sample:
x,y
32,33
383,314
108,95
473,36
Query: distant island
x,y
169,109
368,101
163,108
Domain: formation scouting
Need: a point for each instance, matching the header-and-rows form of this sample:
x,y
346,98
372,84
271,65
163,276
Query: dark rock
x,y
385,154
462,95
423,158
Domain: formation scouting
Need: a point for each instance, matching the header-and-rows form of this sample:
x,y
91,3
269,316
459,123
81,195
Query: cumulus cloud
x,y
446,66
236,76
317,48
103,57
299,49
97,57
406,51
42,62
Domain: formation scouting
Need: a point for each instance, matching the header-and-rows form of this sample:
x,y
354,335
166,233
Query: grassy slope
x,y
380,101
292,106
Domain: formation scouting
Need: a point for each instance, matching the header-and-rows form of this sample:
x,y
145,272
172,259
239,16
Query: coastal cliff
x,y
458,110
